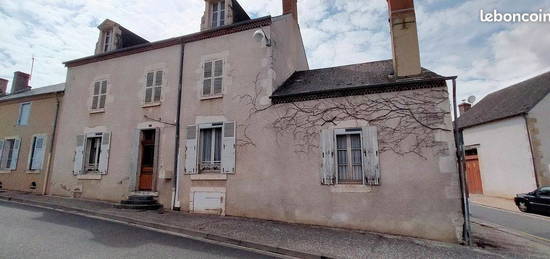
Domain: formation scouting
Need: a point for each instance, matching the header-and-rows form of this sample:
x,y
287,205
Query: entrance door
x,y
147,168
473,176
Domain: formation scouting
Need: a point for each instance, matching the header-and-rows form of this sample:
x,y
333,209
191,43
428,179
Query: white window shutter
x,y
15,154
39,150
79,154
104,155
191,150
371,160
228,148
1,147
328,170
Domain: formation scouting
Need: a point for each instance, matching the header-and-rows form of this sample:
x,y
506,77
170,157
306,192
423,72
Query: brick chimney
x,y
464,107
20,82
3,86
291,7
404,36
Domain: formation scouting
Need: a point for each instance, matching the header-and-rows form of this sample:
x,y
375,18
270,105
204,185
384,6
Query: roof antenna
x,y
32,68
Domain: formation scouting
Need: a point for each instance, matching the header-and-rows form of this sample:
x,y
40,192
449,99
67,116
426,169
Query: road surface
x,y
28,232
528,223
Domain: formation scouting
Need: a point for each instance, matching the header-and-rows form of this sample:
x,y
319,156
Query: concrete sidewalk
x,y
293,240
494,202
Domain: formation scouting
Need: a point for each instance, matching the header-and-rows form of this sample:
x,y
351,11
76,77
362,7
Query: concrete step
x,y
141,197
139,206
139,202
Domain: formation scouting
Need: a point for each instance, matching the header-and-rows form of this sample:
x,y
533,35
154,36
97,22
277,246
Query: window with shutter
x,y
15,154
99,96
228,152
327,155
79,155
37,152
103,158
371,160
213,78
191,150
153,87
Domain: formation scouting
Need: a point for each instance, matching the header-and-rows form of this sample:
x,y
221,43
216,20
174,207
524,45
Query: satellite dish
x,y
259,35
471,99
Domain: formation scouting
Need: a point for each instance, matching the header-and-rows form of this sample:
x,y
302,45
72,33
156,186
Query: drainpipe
x,y
459,142
175,184
532,151
50,158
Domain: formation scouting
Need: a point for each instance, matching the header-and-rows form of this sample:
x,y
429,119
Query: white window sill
x,y
97,111
211,97
350,188
89,177
148,105
210,176
33,171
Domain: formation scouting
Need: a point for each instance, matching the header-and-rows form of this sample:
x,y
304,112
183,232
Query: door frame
x,y
155,161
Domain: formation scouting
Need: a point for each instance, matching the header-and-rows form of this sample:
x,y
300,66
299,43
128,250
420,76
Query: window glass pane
x,y
150,79
25,114
215,7
96,88
222,5
102,101
207,69
5,160
218,144
157,94
217,86
95,102
218,68
148,95
222,18
206,145
104,87
158,79
206,87
355,141
341,141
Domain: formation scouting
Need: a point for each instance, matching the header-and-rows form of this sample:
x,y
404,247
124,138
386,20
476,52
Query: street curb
x,y
168,229
511,232
535,216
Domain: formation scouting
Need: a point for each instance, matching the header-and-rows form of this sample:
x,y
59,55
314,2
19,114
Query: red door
x,y
473,176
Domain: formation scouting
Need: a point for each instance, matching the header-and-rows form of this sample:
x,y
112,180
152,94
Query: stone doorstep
x,y
163,227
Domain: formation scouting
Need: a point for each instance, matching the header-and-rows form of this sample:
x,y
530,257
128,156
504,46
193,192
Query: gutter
x,y
175,184
50,158
537,182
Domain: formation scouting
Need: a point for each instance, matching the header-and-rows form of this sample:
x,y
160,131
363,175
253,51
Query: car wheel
x,y
522,206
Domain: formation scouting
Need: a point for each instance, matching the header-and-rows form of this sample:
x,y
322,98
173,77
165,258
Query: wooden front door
x,y
473,175
147,168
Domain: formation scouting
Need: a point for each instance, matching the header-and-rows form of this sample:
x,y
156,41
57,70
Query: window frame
x,y
32,150
218,14
97,156
213,77
212,127
19,118
99,95
8,162
154,86
349,154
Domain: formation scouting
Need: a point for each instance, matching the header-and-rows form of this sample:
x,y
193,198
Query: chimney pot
x,y
404,36
291,7
464,107
3,86
20,82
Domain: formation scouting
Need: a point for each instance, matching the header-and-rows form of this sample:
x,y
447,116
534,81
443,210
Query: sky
x,y
453,41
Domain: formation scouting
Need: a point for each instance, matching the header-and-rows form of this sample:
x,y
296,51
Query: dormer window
x,y
218,14
107,41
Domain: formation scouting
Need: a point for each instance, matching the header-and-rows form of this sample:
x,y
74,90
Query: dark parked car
x,y
537,200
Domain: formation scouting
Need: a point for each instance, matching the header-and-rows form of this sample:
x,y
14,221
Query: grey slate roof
x,y
369,75
35,91
508,102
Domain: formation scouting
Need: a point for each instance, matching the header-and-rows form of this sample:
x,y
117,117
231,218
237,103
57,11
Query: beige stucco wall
x,y
41,121
538,120
123,115
505,160
419,196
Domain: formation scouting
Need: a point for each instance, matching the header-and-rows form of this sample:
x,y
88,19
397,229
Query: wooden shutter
x,y
104,155
327,152
79,154
15,154
134,159
1,150
228,148
371,161
191,150
38,152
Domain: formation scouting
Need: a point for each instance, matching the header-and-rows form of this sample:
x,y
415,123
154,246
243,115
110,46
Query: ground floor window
x,y
349,157
7,154
210,149
93,153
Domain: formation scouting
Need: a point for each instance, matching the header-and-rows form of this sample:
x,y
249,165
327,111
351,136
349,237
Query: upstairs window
x,y
107,41
218,14
99,95
153,87
213,78
24,114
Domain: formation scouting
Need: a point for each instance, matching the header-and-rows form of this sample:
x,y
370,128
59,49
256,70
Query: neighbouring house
x,y
366,146
28,119
507,139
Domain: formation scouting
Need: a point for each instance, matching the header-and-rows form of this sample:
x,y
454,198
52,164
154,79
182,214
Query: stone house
x,y
507,138
231,121
28,118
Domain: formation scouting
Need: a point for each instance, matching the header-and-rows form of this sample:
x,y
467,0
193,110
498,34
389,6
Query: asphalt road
x,y
27,232
532,224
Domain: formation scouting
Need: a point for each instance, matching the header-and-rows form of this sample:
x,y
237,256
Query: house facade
x,y
28,119
506,137
260,134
